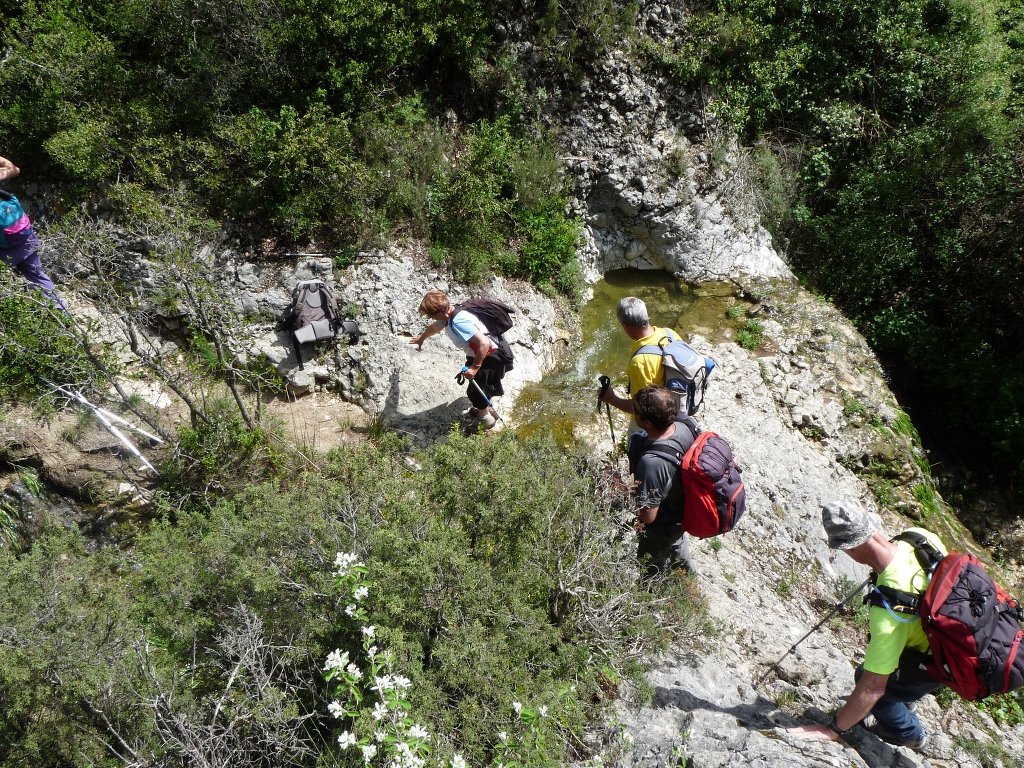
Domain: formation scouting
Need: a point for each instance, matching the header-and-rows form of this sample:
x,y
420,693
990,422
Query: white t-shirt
x,y
462,327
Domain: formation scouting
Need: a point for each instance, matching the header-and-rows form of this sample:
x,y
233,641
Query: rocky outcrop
x,y
659,185
413,391
773,578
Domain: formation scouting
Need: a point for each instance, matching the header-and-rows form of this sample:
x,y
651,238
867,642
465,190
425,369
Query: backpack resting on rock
x,y
315,316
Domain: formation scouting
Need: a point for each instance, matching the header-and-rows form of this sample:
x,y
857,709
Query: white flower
x,y
336,709
418,732
344,562
369,631
336,660
517,706
542,711
380,710
401,682
372,651
346,740
502,735
354,671
383,683
458,762
360,593
368,752
350,610
379,736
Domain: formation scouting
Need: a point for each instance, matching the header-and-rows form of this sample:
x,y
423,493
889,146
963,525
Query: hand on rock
x,y
820,732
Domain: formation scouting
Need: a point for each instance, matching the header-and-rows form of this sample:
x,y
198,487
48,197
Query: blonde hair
x,y
434,302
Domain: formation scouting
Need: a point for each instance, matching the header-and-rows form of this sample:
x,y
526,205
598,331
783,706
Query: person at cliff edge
x,y
643,370
488,355
892,676
19,245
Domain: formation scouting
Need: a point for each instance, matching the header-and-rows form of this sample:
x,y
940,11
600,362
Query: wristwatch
x,y
834,727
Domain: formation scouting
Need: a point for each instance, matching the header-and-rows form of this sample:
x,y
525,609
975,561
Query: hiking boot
x,y
487,420
875,727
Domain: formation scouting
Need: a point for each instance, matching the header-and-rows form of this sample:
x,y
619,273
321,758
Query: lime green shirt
x,y
889,635
646,369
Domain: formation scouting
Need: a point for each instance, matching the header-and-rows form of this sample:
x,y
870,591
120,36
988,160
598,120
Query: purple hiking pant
x,y
26,262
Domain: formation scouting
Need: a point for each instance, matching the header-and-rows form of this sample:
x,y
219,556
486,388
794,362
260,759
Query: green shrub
x,y
37,344
894,180
750,336
551,239
505,189
469,566
217,456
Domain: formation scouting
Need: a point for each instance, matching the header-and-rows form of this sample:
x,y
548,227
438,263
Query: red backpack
x,y
972,624
714,497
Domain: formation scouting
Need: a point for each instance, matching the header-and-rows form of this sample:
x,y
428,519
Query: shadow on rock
x,y
426,426
764,717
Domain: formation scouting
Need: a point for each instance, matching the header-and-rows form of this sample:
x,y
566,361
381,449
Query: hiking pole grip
x,y
605,383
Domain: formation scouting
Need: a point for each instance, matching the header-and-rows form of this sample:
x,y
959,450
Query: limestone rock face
x,y
772,578
659,184
415,390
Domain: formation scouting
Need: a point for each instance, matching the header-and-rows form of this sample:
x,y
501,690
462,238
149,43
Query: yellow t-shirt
x,y
646,369
889,635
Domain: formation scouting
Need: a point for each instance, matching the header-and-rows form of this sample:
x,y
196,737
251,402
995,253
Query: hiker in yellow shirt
x,y
643,370
893,675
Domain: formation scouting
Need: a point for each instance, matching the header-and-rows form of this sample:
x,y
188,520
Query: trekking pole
x,y
101,415
815,628
461,378
605,383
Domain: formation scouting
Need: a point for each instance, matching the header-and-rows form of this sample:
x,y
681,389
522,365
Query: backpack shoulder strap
x,y
928,556
893,600
660,346
663,450
648,349
691,425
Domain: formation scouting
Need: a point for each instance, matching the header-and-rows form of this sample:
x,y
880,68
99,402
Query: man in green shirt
x,y
892,676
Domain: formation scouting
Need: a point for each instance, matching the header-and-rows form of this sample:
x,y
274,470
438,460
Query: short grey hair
x,y
633,312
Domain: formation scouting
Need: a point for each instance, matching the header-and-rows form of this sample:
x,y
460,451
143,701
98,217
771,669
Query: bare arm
x,y
647,515
622,403
8,170
429,331
869,689
480,345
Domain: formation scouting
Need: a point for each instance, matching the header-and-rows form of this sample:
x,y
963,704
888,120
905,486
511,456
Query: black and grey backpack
x,y
315,316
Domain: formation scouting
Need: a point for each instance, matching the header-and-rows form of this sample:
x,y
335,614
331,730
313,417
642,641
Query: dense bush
x,y
489,587
310,120
505,189
906,196
36,344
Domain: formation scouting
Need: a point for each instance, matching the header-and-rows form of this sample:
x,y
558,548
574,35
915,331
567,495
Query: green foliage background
x,y
349,121
905,121
489,586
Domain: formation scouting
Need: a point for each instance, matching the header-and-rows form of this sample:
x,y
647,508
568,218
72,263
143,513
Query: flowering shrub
x,y
396,740
365,689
